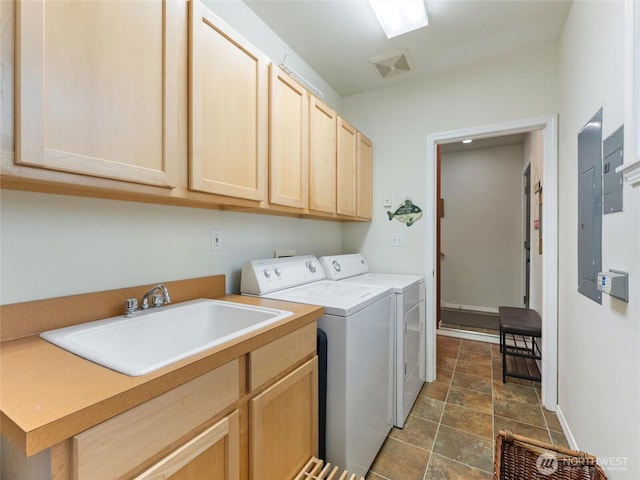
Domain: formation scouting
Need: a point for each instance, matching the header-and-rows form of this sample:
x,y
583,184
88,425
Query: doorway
x,y
548,125
482,220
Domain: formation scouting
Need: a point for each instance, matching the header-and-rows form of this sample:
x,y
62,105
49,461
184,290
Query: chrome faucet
x,y
158,299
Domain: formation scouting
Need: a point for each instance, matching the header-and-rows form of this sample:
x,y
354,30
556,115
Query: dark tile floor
x,y
450,432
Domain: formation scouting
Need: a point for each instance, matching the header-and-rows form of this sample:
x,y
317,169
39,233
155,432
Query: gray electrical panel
x,y
590,207
612,152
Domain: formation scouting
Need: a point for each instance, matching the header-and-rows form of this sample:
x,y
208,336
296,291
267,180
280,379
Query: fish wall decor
x,y
406,213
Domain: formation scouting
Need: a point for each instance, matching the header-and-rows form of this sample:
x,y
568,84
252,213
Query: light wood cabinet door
x,y
284,425
364,173
96,91
212,455
346,168
228,109
322,157
288,140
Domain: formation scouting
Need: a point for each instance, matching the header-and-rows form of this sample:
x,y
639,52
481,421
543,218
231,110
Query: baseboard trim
x,y
469,308
565,428
467,335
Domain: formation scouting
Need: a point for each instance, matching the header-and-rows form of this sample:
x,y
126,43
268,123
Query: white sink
x,y
153,338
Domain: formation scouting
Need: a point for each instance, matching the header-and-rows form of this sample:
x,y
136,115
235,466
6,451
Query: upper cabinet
x,y
93,90
346,168
288,141
354,172
364,176
162,101
227,108
322,157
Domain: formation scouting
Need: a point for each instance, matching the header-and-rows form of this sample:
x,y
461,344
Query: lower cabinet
x,y
128,443
253,418
214,455
284,425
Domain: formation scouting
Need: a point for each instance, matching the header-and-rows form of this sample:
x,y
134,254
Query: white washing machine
x,y
408,321
359,343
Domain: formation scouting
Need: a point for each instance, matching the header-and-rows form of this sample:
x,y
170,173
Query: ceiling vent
x,y
393,64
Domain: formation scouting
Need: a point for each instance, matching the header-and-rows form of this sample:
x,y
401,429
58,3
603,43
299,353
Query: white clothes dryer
x,y
408,324
359,343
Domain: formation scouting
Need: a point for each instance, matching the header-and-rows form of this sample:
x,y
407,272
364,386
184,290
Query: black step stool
x,y
522,327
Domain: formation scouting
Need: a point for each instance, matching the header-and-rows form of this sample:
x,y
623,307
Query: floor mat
x,y
470,319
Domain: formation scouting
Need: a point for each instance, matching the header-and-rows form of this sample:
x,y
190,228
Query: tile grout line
x,y
466,433
463,464
538,404
470,408
520,393
544,417
491,414
444,406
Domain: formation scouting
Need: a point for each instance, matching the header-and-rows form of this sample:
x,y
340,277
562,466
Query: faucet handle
x,y
130,306
157,300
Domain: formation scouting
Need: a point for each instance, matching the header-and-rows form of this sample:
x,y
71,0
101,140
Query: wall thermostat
x,y
614,283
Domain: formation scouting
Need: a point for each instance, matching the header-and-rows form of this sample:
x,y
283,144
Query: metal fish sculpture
x,y
407,213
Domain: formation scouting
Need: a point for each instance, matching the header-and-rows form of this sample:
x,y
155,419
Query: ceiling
x,y
337,38
478,143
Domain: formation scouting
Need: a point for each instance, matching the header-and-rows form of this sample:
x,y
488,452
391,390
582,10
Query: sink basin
x,y
153,338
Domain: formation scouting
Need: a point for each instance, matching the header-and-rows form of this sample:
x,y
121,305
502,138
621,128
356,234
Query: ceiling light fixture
x,y
400,16
468,140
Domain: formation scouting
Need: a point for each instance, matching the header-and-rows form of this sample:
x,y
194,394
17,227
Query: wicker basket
x,y
522,458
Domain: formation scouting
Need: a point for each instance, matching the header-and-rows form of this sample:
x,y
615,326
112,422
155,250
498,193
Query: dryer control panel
x,y
273,274
338,267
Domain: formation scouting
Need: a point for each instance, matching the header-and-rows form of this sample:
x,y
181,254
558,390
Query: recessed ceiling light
x,y
400,16
468,140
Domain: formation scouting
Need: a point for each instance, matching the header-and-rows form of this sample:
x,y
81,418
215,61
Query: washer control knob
x,y
278,271
267,273
336,266
311,265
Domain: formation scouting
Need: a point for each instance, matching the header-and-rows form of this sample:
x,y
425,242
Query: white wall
x,y
481,232
54,245
398,120
533,155
599,360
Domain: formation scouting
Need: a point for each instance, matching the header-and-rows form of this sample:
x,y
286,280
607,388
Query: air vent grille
x,y
393,64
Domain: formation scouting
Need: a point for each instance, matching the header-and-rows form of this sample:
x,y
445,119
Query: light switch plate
x,y
398,239
216,240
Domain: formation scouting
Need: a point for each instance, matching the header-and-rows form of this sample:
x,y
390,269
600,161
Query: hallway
x,y
451,430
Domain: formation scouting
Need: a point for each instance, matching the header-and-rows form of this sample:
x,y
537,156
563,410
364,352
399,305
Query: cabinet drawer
x,y
115,447
276,357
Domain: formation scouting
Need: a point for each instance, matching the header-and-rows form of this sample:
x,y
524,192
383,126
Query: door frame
x,y
526,236
549,125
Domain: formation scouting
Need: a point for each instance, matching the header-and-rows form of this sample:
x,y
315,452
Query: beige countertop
x,y
48,395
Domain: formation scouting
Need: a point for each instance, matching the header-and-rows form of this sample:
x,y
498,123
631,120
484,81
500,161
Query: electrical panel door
x,y
590,207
